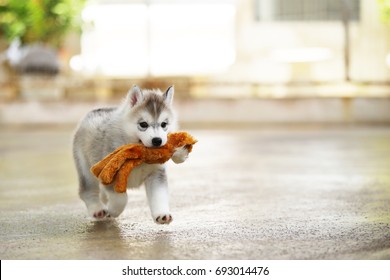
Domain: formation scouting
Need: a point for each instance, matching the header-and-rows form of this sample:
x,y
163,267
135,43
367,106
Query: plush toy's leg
x,y
124,173
116,202
98,167
109,171
156,186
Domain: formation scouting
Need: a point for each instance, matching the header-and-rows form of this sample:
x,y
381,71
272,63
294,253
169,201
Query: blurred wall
x,y
256,42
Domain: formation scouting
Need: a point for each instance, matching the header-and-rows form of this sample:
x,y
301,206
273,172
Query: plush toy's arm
x,y
179,139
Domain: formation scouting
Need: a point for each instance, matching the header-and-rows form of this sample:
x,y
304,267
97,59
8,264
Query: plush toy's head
x,y
118,165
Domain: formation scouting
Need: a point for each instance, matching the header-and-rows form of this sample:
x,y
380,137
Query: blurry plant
x,y
384,6
45,21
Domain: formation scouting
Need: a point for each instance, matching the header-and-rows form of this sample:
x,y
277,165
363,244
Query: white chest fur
x,y
139,174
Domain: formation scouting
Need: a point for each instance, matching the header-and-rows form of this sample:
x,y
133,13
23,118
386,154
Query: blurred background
x,y
231,61
289,99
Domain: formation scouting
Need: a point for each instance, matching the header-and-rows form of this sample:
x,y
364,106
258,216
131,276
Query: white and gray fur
x,y
144,117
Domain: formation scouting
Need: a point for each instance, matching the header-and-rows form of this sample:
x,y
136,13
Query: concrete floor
x,y
266,194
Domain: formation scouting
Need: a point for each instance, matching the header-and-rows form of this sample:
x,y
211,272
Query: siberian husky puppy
x,y
146,117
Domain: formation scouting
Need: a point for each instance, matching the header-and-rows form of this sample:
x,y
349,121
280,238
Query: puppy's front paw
x,y
180,155
163,219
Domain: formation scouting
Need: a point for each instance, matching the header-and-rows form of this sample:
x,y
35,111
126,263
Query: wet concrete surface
x,y
304,193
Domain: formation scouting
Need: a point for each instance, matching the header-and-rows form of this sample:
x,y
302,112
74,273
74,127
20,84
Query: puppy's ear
x,y
168,95
134,96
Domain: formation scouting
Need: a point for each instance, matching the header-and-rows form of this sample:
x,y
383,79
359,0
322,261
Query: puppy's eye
x,y
143,125
164,124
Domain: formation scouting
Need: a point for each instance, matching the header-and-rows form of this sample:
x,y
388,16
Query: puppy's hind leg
x,y
89,192
116,202
88,185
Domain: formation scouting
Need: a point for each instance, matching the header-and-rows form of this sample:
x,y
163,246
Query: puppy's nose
x,y
156,141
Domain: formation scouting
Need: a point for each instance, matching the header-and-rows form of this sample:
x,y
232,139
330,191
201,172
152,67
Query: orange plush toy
x,y
119,164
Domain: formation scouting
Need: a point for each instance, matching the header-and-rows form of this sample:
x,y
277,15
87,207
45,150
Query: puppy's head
x,y
149,116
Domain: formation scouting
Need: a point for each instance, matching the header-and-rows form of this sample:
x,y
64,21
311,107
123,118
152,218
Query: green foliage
x,y
384,6
45,21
